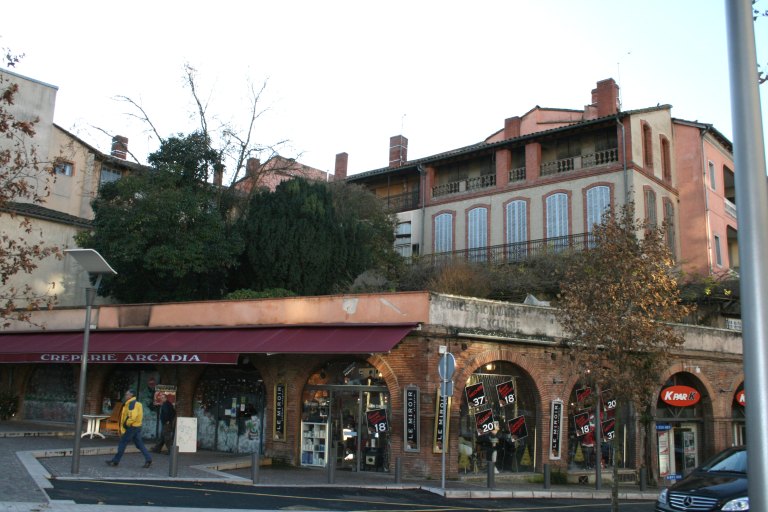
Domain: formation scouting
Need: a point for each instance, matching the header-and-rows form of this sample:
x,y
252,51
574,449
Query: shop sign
x,y
517,428
555,429
661,427
147,357
411,419
741,399
608,428
377,420
506,392
168,391
278,420
441,425
581,421
484,422
582,394
680,396
475,395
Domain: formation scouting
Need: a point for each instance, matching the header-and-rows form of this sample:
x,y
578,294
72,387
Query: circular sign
x,y
447,366
680,396
740,398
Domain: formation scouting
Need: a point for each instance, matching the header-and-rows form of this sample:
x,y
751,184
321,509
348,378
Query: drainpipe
x,y
422,186
624,158
706,200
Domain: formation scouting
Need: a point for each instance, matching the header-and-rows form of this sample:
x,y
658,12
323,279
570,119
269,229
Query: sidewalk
x,y
34,453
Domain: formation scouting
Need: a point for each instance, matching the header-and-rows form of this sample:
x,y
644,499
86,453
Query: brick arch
x,y
387,373
497,354
708,406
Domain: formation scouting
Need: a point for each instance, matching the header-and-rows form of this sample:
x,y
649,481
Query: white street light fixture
x,y
93,263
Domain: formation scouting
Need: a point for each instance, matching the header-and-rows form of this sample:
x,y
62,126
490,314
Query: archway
x,y
345,417
498,416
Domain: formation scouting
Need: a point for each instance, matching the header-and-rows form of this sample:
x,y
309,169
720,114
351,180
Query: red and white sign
x,y
680,396
741,399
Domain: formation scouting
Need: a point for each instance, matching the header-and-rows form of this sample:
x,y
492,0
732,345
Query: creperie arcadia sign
x,y
680,396
149,357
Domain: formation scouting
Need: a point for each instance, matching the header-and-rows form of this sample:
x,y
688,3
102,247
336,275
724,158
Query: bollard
x,y
491,475
547,477
398,470
331,465
255,461
643,478
173,469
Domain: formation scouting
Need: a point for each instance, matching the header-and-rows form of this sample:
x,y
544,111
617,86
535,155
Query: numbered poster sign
x,y
581,421
475,395
377,420
609,402
484,422
506,392
517,428
582,394
608,427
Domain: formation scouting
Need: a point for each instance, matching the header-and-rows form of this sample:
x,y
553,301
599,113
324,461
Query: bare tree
x,y
24,179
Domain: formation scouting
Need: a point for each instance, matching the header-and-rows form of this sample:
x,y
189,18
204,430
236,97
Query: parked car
x,y
718,485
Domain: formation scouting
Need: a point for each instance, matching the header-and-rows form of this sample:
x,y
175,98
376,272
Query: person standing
x,y
130,429
168,421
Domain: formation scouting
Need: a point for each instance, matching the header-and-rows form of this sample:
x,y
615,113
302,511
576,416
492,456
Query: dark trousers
x,y
166,438
131,434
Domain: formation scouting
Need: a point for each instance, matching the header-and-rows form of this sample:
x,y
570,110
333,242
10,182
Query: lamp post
x,y
93,263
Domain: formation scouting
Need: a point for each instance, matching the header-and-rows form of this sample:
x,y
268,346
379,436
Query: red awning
x,y
195,346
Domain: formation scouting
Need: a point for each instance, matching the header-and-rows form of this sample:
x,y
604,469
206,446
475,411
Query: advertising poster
x,y
441,426
475,395
168,391
484,422
582,395
517,428
506,392
377,420
608,429
581,422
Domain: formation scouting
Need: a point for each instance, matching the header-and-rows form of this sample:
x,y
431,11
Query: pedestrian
x,y
168,421
130,429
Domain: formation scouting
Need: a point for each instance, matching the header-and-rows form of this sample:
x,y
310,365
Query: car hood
x,y
725,485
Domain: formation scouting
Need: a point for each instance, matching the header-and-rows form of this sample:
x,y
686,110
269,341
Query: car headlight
x,y
737,504
662,496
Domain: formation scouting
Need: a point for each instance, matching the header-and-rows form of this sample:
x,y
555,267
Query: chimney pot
x,y
398,151
340,170
606,97
252,167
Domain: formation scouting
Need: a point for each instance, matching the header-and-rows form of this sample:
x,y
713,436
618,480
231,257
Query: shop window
x,y
229,406
500,426
50,394
142,380
679,426
584,453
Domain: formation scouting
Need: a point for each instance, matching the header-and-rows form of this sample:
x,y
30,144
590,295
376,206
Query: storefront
x,y
681,414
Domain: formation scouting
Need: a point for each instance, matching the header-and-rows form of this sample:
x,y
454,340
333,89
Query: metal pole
x,y
173,468
255,466
598,441
398,470
752,210
90,294
443,403
547,477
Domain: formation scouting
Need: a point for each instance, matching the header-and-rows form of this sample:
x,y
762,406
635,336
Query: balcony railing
x,y
465,185
585,161
517,174
510,253
402,202
730,208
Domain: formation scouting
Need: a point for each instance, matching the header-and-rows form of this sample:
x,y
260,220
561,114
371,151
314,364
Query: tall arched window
x,y
477,234
650,208
666,160
557,219
669,221
598,202
647,147
444,233
517,230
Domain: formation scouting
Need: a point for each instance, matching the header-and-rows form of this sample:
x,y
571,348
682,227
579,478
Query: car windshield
x,y
735,462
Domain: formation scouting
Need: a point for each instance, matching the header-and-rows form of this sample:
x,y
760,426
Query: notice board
x,y
186,434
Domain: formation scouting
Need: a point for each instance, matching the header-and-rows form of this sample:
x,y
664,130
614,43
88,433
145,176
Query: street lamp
x,y
93,263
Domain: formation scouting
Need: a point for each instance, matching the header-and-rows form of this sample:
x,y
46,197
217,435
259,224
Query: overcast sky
x,y
345,76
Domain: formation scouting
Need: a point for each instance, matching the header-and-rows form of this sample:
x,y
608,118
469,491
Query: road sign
x,y
447,366
446,388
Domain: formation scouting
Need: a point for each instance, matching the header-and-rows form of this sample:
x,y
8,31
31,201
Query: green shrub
x,y
270,293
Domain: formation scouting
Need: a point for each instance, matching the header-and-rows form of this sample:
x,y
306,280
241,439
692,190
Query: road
x,y
226,495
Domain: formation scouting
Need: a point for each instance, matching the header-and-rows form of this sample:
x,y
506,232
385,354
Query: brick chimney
x,y
398,151
606,97
512,127
252,167
119,146
340,170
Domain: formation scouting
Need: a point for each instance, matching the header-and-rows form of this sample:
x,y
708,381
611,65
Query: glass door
x,y
686,449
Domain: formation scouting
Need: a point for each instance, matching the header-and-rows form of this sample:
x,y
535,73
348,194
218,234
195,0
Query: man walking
x,y
130,429
168,421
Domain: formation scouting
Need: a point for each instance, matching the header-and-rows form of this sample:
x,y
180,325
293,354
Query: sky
x,y
345,76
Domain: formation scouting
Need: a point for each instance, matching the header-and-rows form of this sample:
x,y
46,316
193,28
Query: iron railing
x,y
402,202
510,253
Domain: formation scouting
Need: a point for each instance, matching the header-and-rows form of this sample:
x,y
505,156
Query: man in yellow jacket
x,y
130,429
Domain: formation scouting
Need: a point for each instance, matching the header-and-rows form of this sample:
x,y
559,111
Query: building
x,y
544,179
354,380
78,171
